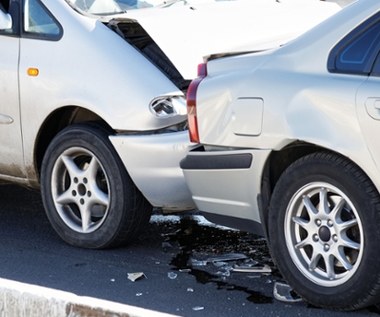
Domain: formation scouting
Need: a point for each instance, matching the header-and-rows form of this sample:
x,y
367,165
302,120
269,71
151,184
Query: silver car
x,y
290,149
92,107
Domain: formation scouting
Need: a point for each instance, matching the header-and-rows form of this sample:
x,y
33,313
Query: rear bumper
x,y
227,183
152,161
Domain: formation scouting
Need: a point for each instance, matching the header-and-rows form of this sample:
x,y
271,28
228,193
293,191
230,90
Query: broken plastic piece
x,y
284,293
252,269
198,263
172,275
196,308
227,257
136,276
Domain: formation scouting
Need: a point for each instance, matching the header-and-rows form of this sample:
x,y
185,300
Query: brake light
x,y
191,100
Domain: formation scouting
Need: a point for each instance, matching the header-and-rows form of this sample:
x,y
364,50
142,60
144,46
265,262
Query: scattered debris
x,y
284,293
252,269
198,263
197,308
139,294
211,254
189,289
227,257
185,270
136,276
172,275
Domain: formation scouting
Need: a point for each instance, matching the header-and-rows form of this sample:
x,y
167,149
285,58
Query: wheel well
x,y
277,163
59,120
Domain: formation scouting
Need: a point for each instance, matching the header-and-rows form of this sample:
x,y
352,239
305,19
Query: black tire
x,y
89,198
324,232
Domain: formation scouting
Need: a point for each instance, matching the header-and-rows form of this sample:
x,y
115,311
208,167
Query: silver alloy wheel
x,y
324,234
80,190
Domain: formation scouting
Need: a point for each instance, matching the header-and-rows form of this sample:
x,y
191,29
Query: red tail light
x,y
191,99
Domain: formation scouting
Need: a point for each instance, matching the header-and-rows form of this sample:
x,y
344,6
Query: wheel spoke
x,y
92,169
70,165
312,211
301,222
346,242
329,263
65,198
323,202
303,243
338,208
314,261
341,257
85,213
99,197
347,224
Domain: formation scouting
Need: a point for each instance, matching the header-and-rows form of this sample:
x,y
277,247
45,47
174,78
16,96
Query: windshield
x,y
106,7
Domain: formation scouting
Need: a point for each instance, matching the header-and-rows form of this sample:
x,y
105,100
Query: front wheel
x,y
324,232
88,195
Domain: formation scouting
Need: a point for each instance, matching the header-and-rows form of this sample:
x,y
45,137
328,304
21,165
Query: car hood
x,y
186,31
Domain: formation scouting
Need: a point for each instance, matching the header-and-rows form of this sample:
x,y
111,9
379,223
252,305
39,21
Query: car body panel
x,y
234,26
10,126
302,103
223,191
153,162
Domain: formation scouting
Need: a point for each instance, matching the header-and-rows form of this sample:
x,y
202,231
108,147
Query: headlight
x,y
168,106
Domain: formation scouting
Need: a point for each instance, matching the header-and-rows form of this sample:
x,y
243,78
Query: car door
x,y
11,152
39,66
357,55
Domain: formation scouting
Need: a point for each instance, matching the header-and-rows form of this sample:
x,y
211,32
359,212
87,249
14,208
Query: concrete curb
x,y
26,300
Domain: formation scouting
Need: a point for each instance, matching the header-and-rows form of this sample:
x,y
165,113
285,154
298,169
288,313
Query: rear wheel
x,y
324,233
88,196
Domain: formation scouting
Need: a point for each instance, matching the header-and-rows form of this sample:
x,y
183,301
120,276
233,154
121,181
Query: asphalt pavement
x,y
187,267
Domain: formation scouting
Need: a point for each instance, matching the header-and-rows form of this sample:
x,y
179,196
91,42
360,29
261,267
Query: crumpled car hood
x,y
187,31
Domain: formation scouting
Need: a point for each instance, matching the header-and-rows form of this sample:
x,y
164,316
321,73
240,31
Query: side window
x,y
39,22
376,67
6,21
357,52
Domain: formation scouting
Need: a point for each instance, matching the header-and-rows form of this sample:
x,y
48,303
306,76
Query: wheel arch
x,y
57,121
276,164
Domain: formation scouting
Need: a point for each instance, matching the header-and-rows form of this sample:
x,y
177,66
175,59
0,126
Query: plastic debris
x,y
139,294
252,269
189,289
227,257
197,308
136,276
198,263
284,293
172,275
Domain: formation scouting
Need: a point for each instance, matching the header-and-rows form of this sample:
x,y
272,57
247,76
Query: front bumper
x,y
226,183
152,161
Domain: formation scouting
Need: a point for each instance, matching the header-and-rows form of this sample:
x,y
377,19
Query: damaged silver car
x,y
92,111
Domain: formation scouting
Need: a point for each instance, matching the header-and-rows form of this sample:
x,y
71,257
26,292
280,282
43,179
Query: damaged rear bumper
x,y
152,161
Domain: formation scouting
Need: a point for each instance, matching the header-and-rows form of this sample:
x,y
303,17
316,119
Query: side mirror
x,y
5,21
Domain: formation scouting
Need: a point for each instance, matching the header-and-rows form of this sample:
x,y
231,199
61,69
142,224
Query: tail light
x,y
191,100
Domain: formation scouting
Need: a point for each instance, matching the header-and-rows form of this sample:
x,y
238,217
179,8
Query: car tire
x,y
324,232
89,198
